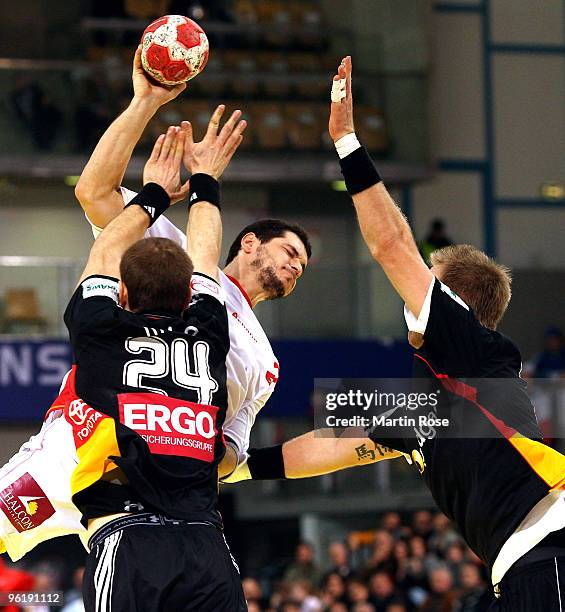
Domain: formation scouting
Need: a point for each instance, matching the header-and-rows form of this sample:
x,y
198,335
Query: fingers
x,y
157,148
235,139
186,127
348,67
215,121
184,189
178,89
137,60
179,149
233,149
168,142
344,72
228,127
180,193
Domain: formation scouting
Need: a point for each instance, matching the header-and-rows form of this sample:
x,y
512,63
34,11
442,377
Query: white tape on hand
x,y
338,90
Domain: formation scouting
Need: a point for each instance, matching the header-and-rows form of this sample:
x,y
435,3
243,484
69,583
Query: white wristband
x,y
346,145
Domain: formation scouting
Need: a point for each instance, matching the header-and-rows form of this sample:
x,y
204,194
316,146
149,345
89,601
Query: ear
x,y
249,243
123,295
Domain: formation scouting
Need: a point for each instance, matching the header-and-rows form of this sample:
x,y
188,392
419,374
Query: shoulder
x,y
94,307
95,292
500,356
202,285
442,309
207,308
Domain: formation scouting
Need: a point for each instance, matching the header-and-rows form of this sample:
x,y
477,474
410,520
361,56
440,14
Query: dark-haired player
x,y
148,487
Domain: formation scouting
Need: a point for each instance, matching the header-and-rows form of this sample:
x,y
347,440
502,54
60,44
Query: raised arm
x,y
385,229
131,222
98,187
207,161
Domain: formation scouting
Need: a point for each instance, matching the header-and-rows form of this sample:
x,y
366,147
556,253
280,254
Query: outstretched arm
x,y
97,189
207,161
312,454
385,229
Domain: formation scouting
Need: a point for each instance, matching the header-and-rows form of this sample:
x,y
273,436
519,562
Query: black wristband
x,y
204,188
153,199
266,463
359,171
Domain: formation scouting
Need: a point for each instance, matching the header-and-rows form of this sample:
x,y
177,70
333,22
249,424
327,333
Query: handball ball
x,y
174,49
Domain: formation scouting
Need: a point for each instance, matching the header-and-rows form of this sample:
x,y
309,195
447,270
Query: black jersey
x,y
162,379
488,467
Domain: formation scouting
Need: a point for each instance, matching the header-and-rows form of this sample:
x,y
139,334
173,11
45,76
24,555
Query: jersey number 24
x,y
174,360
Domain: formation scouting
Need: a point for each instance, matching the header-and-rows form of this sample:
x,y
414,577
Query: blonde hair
x,y
481,282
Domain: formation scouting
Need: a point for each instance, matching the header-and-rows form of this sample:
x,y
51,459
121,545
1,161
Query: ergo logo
x,y
171,426
149,417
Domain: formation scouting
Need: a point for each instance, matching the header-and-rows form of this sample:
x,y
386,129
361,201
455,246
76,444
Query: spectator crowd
x,y
415,565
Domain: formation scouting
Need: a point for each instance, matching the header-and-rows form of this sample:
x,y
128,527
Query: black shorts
x,y
147,563
539,587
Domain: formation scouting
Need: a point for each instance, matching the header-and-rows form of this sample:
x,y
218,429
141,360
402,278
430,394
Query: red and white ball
x,y
174,49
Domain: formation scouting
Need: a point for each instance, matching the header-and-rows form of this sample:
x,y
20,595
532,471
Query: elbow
x,y
80,192
386,245
88,195
84,193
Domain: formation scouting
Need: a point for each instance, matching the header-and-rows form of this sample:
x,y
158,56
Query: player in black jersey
x,y
488,470
147,479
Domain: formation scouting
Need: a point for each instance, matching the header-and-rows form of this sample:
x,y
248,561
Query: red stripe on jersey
x,y
244,293
430,366
545,461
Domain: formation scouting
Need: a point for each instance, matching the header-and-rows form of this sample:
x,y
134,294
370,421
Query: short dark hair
x,y
156,272
481,282
266,230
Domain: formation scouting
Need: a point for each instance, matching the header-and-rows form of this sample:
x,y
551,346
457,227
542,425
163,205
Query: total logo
x,y
171,426
25,504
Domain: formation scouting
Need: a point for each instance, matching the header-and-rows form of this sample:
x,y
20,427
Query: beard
x,y
270,282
